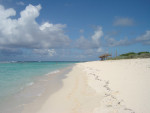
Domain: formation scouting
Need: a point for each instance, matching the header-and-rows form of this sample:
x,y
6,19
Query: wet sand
x,y
48,85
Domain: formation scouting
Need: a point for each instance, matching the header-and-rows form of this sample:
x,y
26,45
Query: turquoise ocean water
x,y
15,76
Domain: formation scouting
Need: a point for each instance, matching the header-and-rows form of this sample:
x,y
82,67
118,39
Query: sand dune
x,y
119,86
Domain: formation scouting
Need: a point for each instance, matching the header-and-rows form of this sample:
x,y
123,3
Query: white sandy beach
x,y
119,86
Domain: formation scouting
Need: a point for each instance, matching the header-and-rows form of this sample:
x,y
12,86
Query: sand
x,y
119,86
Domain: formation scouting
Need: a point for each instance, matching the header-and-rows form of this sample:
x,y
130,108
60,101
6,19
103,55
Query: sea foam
x,y
53,72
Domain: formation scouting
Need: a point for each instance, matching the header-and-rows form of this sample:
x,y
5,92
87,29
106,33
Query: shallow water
x,y
21,82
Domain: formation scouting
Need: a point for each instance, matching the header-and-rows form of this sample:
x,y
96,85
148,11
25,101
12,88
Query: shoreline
x,y
54,83
35,93
74,92
114,86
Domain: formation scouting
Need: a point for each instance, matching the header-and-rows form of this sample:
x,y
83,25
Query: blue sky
x,y
72,29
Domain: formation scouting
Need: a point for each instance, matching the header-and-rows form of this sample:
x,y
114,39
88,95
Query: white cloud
x,y
48,52
92,42
123,22
145,38
97,35
112,42
25,32
6,13
20,3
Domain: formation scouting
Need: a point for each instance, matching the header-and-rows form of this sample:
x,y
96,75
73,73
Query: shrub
x,y
142,52
132,55
128,54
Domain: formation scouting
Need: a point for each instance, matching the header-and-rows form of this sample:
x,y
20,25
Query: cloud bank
x,y
50,40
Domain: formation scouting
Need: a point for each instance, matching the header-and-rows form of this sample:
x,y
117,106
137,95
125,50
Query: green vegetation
x,y
132,55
